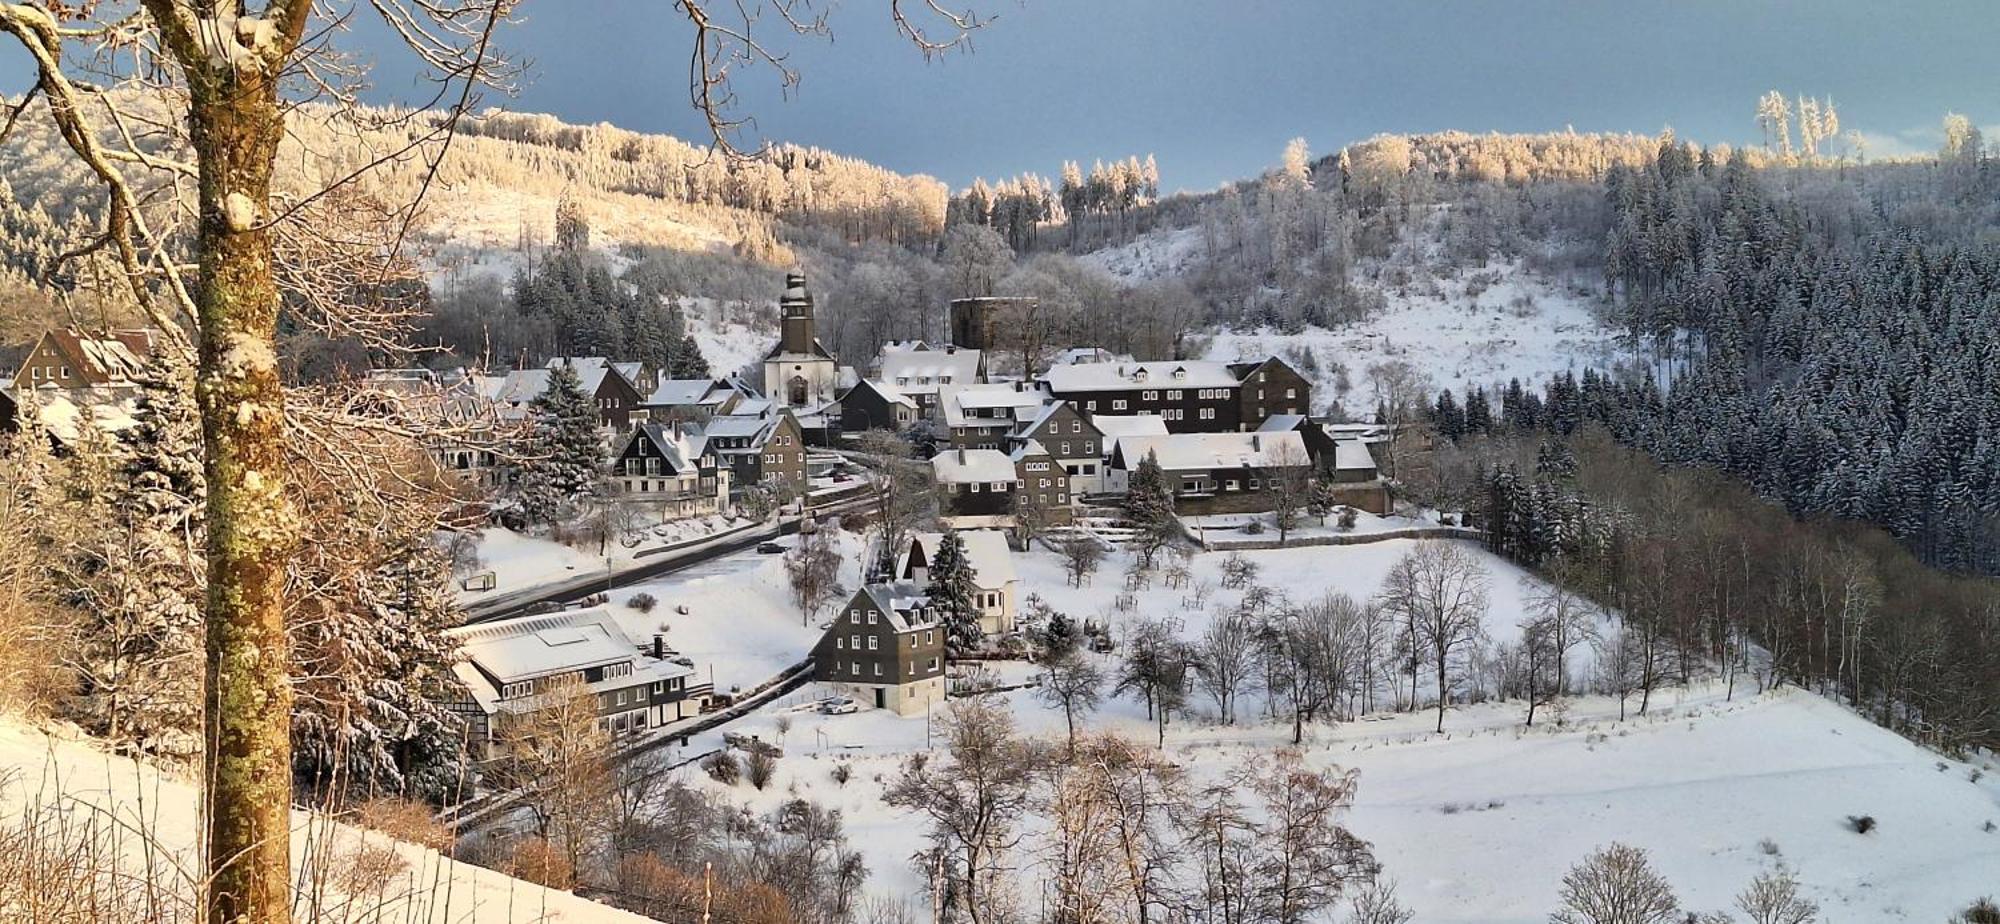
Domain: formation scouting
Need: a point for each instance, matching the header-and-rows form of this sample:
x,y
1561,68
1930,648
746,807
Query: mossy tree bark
x,y
233,64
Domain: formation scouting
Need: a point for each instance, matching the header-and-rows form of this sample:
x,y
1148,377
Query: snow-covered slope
x,y
1477,328
134,803
1480,823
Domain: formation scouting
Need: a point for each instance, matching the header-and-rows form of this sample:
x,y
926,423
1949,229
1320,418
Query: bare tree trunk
x,y
235,127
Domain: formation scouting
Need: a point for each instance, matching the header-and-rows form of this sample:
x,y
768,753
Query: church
x,y
799,372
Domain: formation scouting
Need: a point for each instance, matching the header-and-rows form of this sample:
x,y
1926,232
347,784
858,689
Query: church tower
x,y
796,312
798,371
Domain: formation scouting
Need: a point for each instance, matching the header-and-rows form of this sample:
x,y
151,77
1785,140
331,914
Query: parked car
x,y
770,548
839,706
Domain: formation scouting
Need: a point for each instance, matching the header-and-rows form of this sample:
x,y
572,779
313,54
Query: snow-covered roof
x,y
527,647
1352,456
924,370
900,603
1114,426
1013,402
1028,448
592,369
966,466
679,450
1205,451
986,550
889,393
732,426
685,393
101,357
1075,355
62,412
1280,423
1179,373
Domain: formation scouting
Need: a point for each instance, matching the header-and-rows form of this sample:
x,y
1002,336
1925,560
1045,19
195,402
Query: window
x,y
1174,394
1118,404
1075,426
1090,406
934,665
1065,447
854,616
1062,498
871,617
1151,396
1253,484
1044,484
621,697
659,688
975,487
999,487
854,642
878,666
1291,392
930,635
854,667
839,644
1208,413
871,643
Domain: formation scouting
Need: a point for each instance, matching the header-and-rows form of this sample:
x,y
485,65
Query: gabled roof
x,y
1114,426
100,357
1208,451
1086,377
901,602
888,392
593,369
685,393
966,466
1050,409
1027,448
923,369
679,454
958,400
819,351
986,551
735,426
1280,423
1353,456
1075,355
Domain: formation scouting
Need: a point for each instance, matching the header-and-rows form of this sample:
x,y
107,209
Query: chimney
x,y
961,455
659,647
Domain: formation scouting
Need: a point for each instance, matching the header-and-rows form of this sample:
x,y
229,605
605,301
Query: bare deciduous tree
x,y
1071,682
1439,589
1225,661
1616,885
973,799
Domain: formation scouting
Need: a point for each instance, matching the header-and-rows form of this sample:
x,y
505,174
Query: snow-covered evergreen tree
x,y
564,450
953,595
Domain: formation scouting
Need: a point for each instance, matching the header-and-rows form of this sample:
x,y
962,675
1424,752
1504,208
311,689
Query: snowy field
x,y
1478,824
741,626
136,804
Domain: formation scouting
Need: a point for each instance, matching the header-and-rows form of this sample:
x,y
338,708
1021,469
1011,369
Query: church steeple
x,y
796,310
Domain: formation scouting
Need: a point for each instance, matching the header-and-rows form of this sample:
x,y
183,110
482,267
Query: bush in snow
x,y
842,773
1347,518
1983,911
761,766
1862,824
643,602
722,766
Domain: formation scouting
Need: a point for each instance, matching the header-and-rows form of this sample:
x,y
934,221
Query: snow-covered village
x,y
465,464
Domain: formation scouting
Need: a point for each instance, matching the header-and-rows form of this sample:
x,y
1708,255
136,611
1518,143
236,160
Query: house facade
x,y
1189,396
71,359
921,371
996,586
1072,439
667,467
872,405
986,416
1217,472
886,649
511,668
758,449
1044,491
979,488
609,385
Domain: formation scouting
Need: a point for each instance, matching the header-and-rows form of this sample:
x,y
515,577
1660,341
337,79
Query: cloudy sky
x,y
1215,87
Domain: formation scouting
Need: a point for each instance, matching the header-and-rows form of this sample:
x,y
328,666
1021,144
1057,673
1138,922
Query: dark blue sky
x,y
1215,87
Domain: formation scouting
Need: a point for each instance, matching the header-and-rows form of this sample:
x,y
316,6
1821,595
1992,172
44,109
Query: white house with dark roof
x,y
509,668
996,586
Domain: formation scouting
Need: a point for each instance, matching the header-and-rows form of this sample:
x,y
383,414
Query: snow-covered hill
x,y
132,805
1459,327
1479,824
